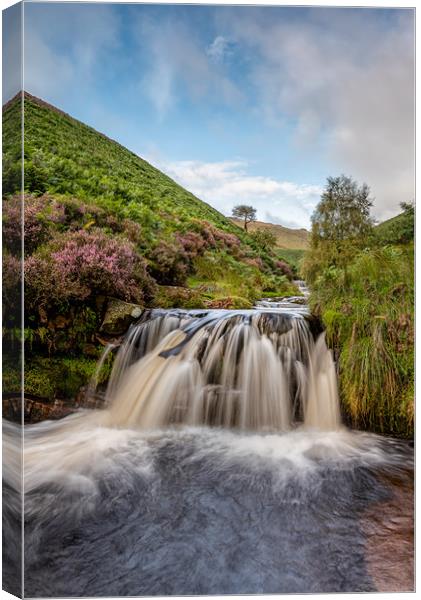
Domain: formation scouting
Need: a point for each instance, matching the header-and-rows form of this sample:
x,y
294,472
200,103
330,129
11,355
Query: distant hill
x,y
296,239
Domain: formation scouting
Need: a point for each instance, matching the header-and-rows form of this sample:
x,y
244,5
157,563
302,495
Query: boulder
x,y
119,315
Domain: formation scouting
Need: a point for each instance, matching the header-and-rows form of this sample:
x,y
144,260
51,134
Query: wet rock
x,y
35,409
90,350
119,316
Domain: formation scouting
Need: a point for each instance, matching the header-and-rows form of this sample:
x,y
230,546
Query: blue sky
x,y
239,104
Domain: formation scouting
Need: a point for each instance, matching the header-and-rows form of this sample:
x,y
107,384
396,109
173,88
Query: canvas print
x,y
208,299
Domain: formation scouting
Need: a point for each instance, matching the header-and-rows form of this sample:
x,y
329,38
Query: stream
x,y
219,465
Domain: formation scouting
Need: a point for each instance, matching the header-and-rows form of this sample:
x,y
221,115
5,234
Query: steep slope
x,y
65,156
286,238
106,234
399,229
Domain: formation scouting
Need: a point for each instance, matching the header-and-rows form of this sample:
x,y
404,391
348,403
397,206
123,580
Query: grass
x,y
368,313
292,256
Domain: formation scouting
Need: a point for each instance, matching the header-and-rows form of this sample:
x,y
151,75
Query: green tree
x,y
341,224
242,211
265,239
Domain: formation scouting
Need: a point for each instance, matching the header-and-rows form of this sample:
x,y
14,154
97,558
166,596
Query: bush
x,y
40,214
192,244
12,278
284,268
256,262
169,263
264,239
78,265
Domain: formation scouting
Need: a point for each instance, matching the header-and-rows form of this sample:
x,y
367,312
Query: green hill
x,y
65,156
103,227
398,229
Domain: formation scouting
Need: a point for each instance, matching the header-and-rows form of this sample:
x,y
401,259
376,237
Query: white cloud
x,y
227,183
220,49
178,64
346,79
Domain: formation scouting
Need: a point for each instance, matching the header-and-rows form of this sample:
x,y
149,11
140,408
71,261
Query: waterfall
x,y
251,370
93,384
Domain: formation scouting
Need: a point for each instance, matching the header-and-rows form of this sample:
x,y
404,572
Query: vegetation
x,y
341,224
293,257
362,287
265,240
399,229
101,224
244,212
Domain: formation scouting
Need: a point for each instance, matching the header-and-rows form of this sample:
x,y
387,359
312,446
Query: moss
x,y
40,382
11,378
60,377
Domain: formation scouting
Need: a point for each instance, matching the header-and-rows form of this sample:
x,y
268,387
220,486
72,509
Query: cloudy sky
x,y
255,105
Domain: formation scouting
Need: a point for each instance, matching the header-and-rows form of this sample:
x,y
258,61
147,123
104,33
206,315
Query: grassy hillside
x,y
104,226
399,229
286,238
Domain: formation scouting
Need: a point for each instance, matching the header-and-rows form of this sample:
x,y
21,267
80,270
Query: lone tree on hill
x,y
242,211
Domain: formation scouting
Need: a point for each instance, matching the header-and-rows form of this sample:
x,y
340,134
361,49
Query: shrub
x,y
40,214
214,237
77,265
132,230
192,244
227,240
284,268
169,263
206,230
11,284
264,239
254,262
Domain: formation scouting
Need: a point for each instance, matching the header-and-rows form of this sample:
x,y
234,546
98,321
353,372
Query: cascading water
x,y
218,465
254,370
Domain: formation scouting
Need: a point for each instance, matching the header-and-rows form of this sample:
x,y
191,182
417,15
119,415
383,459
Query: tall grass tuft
x,y
368,312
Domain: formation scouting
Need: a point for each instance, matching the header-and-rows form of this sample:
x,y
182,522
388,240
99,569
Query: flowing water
x,y
218,465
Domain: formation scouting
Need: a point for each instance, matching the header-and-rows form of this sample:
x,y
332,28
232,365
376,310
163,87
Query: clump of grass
x,y
367,309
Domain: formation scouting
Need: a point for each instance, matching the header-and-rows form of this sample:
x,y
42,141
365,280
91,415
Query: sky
x,y
239,104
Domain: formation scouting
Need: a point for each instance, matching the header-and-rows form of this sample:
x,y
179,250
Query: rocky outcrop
x,y
36,409
119,316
